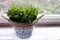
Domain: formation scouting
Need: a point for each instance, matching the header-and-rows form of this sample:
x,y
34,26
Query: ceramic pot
x,y
23,33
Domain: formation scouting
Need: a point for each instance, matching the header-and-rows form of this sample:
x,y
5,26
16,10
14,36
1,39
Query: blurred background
x,y
51,6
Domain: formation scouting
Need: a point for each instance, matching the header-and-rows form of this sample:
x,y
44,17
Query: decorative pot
x,y
23,33
24,30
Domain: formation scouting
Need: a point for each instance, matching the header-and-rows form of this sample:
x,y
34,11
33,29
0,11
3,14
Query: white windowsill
x,y
47,33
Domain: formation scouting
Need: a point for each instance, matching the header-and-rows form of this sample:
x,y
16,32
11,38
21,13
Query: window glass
x,y
51,6
4,4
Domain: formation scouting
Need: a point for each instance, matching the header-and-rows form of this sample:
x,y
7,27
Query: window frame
x,y
47,19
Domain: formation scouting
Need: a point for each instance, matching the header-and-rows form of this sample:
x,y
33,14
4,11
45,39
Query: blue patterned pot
x,y
23,33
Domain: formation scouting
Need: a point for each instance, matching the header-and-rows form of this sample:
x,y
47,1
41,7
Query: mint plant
x,y
22,14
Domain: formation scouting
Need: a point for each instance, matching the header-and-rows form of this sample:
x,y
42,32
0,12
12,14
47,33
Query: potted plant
x,y
23,19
